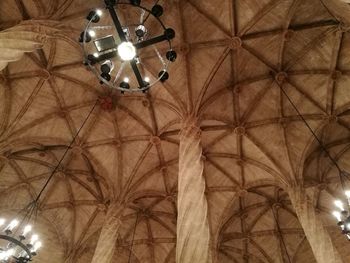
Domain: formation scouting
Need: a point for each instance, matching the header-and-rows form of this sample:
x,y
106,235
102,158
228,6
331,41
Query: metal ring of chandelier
x,y
108,58
14,248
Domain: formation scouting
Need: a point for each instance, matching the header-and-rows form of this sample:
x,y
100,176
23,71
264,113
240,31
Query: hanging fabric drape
x,y
318,237
193,234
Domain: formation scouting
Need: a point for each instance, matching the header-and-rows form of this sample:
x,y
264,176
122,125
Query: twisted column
x,y
106,243
15,41
29,36
192,223
318,237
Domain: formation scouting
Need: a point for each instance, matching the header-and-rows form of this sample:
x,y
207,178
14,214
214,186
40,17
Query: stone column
x,y
106,244
193,233
318,237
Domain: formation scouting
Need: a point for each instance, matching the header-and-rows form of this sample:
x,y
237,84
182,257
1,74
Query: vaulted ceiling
x,y
233,56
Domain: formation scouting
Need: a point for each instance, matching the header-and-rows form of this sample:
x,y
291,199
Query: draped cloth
x,y
109,234
193,234
318,237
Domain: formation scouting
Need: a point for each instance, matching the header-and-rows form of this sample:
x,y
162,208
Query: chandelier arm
x,y
116,22
64,154
151,41
137,73
313,134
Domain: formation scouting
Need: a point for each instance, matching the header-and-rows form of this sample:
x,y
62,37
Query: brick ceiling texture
x,y
232,57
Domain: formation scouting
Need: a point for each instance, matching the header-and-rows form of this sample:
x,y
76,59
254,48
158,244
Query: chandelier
x,y
117,43
17,242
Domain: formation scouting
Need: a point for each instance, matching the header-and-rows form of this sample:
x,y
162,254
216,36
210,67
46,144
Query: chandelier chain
x,y
65,153
314,134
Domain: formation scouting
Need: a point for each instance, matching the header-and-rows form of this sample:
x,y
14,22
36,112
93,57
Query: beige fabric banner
x,y
318,237
193,234
107,242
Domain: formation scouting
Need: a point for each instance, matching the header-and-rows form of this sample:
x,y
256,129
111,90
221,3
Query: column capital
x,y
190,127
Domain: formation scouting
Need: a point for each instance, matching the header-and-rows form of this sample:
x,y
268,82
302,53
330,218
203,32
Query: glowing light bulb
x,y
126,80
347,193
339,204
5,255
34,239
26,230
10,252
2,221
337,215
36,246
92,33
12,225
99,12
126,51
147,79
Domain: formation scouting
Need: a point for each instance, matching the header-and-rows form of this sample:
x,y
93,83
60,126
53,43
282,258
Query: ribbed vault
x,y
263,228
233,58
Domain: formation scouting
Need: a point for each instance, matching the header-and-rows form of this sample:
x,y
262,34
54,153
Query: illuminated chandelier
x,y
115,46
17,242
